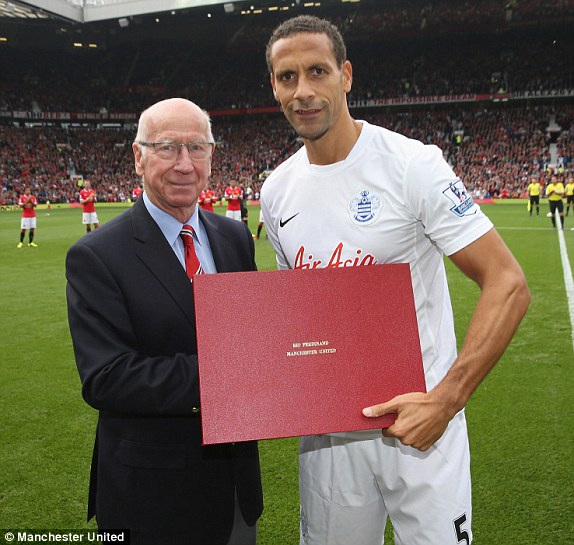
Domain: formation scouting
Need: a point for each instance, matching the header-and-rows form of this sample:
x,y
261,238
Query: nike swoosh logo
x,y
284,223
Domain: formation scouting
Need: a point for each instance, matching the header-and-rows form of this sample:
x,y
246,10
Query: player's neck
x,y
336,145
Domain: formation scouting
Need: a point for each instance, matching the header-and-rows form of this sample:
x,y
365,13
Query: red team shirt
x,y
233,194
88,206
28,211
206,199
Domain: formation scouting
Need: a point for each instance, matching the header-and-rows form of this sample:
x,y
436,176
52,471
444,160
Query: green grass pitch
x,y
521,419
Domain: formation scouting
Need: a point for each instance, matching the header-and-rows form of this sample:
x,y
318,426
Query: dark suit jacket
x,y
131,316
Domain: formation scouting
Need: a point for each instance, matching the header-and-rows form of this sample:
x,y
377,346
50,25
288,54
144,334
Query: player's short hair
x,y
312,25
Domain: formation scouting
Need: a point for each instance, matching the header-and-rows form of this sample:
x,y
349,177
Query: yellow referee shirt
x,y
555,191
534,189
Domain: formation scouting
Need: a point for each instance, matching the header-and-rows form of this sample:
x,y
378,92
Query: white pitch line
x,y
567,270
568,281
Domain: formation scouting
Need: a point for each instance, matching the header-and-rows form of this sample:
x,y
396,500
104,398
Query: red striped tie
x,y
192,264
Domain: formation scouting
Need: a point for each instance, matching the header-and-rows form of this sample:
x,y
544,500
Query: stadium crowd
x,y
398,48
438,66
495,150
491,47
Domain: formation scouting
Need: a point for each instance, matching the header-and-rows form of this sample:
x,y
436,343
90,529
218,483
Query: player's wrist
x,y
450,396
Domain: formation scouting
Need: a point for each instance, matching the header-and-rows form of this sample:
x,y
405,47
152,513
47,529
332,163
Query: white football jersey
x,y
392,200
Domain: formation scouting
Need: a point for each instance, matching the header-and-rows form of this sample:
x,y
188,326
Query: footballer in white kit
x,y
359,195
381,206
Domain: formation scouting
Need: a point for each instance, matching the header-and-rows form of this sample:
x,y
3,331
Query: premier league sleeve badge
x,y
462,203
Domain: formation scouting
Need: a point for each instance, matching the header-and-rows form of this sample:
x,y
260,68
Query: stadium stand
x,y
490,82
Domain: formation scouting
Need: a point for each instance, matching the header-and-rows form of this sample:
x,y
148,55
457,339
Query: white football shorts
x,y
89,217
28,223
348,487
233,214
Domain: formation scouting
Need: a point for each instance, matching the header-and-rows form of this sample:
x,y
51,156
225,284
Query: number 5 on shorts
x,y
461,535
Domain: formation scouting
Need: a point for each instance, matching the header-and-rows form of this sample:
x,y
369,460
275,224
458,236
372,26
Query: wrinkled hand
x,y
421,418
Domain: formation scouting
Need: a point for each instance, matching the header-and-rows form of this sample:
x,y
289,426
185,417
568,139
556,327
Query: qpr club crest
x,y
364,207
462,203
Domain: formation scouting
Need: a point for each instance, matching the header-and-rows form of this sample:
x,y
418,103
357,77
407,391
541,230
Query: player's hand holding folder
x,y
333,341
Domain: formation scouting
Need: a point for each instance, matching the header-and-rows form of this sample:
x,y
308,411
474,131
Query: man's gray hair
x,y
147,116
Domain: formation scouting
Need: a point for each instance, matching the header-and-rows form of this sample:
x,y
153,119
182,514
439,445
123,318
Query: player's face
x,y
309,84
174,186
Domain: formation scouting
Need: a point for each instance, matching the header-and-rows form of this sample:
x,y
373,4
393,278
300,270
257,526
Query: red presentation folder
x,y
301,352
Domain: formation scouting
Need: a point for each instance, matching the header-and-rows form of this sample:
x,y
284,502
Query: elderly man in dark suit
x,y
131,315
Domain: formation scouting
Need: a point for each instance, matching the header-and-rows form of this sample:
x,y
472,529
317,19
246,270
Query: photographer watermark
x,y
93,537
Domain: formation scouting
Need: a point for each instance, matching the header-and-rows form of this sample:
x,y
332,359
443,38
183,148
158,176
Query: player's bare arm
x,y
422,418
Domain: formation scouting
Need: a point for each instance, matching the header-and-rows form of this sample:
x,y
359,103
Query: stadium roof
x,y
86,11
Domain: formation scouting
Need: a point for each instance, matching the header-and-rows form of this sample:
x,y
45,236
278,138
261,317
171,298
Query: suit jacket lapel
x,y
152,249
218,241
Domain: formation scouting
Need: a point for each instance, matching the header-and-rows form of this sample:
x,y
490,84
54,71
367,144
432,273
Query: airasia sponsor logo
x,y
307,261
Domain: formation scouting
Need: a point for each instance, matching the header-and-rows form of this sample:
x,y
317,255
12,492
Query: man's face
x,y
309,84
174,185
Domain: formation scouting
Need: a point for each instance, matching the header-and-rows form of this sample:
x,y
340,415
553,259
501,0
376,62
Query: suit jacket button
x,y
195,410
